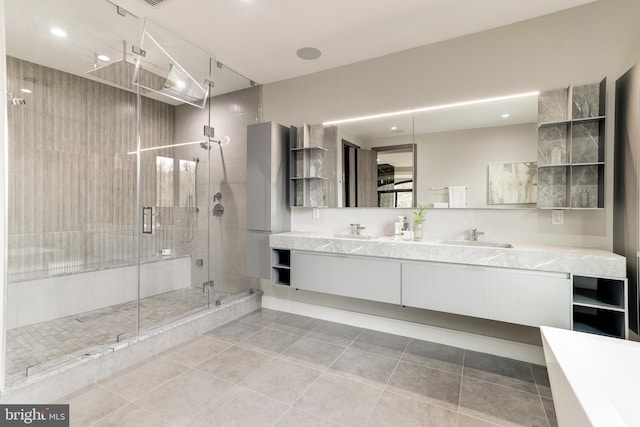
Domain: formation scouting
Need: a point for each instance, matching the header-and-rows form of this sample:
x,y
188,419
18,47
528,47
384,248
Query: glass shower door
x,y
173,76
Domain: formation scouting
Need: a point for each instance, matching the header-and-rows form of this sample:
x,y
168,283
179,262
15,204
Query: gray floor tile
x,y
143,377
239,407
366,367
434,355
183,396
335,333
396,410
541,377
313,353
499,370
262,317
550,410
234,331
132,416
501,405
295,324
426,384
281,380
467,421
381,343
340,400
234,364
196,351
270,341
92,403
296,418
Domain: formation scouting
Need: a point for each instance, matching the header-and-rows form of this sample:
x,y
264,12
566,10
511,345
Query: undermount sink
x,y
477,244
354,236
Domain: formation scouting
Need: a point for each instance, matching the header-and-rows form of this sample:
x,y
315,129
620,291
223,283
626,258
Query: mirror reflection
x,y
453,151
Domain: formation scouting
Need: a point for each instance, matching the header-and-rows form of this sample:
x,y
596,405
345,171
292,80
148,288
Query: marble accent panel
x,y
552,145
560,259
314,195
316,159
585,143
316,135
584,186
552,187
552,105
585,101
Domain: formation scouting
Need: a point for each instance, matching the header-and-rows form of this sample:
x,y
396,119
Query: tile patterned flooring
x,y
58,340
270,368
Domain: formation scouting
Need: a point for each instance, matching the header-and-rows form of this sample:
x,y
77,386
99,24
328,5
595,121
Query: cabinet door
x,y
516,296
371,279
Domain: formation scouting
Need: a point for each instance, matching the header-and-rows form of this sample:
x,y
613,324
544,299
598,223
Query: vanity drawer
x,y
365,278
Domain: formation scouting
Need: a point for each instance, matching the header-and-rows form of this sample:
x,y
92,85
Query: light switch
x,y
315,213
557,217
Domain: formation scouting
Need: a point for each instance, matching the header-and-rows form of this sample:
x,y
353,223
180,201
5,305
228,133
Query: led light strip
x,y
432,108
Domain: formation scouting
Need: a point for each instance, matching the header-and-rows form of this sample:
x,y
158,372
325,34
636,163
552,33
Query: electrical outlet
x,y
557,217
315,213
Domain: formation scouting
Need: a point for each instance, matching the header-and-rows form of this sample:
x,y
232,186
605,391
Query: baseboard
x,y
499,347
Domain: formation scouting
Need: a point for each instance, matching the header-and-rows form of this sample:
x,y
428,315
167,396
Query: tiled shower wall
x,y
72,185
227,172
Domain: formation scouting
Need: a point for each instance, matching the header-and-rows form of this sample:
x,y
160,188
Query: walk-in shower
x,y
110,226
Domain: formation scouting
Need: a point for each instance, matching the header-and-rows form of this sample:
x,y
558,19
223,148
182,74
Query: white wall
x,y
580,46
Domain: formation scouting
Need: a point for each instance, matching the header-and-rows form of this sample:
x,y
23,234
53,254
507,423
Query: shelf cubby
x,y
281,267
600,306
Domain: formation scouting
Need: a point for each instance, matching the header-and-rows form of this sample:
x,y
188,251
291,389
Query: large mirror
x,y
474,154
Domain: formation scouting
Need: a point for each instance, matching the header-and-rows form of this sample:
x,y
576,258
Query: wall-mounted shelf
x,y
571,147
307,166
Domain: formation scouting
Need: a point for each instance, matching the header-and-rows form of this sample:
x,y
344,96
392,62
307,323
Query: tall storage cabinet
x,y
571,147
626,194
267,187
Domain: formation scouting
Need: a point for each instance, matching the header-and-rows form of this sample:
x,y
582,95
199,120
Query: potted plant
x,y
418,218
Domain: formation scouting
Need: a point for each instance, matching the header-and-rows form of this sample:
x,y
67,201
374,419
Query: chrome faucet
x,y
475,233
356,229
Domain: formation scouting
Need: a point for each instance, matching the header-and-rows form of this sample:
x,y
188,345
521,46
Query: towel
x,y
457,196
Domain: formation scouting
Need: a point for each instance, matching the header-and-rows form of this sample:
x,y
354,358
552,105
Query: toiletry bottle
x,y
397,228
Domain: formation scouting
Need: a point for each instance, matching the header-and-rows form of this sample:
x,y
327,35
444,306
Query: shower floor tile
x,y
243,387
37,346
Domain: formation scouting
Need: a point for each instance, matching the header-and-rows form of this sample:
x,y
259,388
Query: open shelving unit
x,y
281,267
600,306
306,167
571,147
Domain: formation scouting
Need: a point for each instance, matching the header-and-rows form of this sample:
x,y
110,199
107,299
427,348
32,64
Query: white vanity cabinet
x,y
533,298
367,278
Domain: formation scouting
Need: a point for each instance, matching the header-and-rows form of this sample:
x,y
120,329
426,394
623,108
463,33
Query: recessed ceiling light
x,y
104,58
505,115
58,32
308,53
394,127
25,90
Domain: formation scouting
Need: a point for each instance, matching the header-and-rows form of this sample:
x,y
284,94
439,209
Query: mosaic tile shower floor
x,y
30,347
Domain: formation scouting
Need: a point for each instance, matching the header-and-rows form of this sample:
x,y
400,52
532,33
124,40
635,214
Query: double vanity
x,y
534,285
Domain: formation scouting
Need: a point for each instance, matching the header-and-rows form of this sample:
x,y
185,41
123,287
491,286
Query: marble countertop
x,y
585,261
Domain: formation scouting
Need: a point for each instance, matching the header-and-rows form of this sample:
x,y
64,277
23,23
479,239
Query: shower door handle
x,y
147,220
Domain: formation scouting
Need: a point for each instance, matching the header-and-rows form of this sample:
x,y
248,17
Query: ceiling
x,y
259,38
